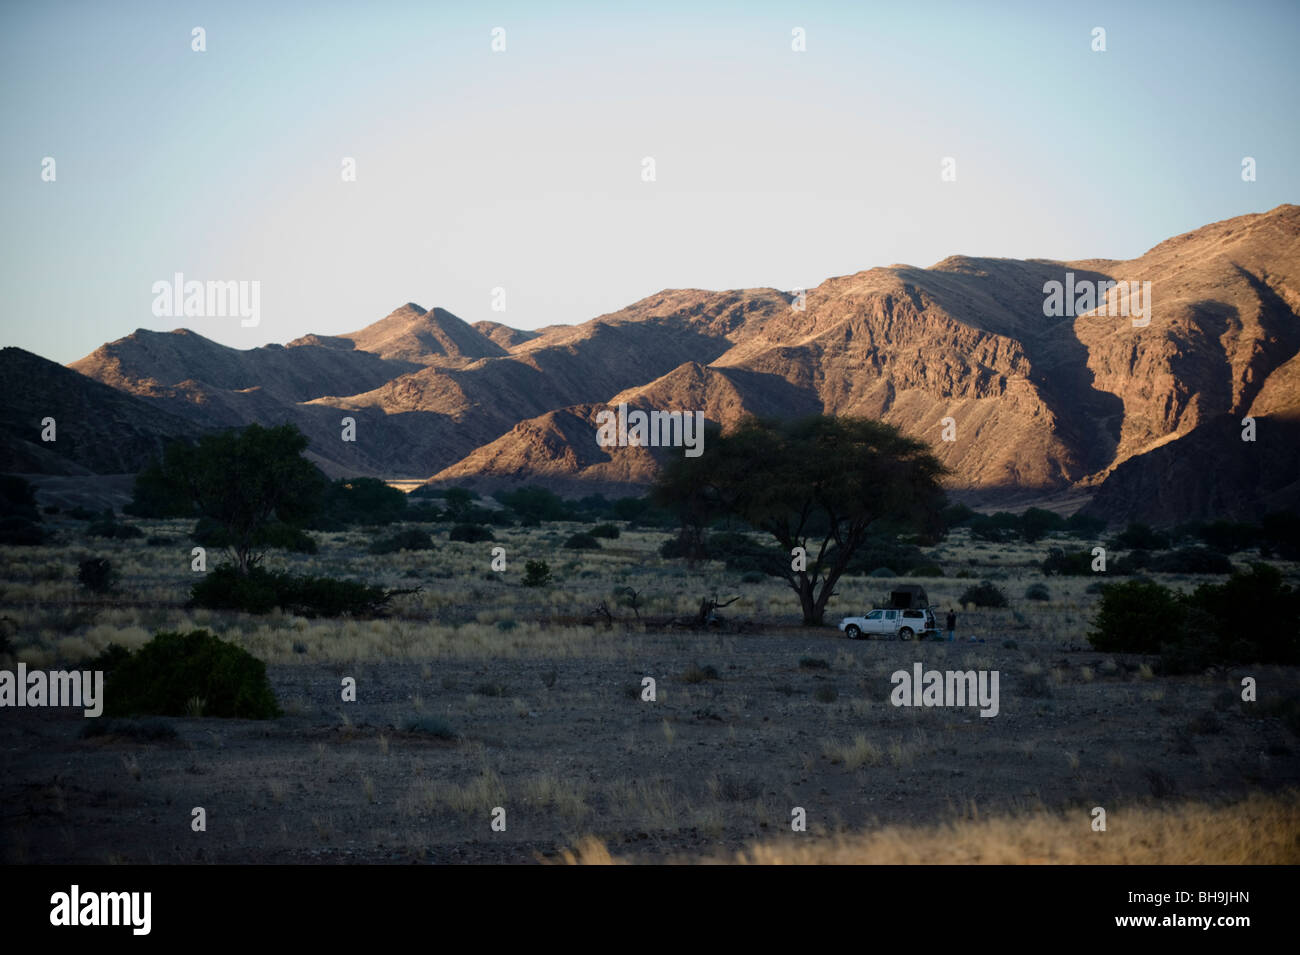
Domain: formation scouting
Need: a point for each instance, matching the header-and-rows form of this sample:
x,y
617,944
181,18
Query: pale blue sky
x,y
522,169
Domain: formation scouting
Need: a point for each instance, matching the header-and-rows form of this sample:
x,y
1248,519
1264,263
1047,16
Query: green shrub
x,y
276,534
330,597
984,594
471,533
1036,523
926,570
536,504
882,572
1138,536
1037,592
1190,560
96,574
744,553
224,588
581,541
261,591
1228,537
998,528
1080,525
80,513
813,663
879,550
681,545
410,539
606,531
537,573
1137,616
283,536
364,500
163,676
1067,563
109,659
825,694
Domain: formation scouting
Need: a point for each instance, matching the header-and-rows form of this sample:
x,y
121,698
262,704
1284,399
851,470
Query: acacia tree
x,y
243,480
818,484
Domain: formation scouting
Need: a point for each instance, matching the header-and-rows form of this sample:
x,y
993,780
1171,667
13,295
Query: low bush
x,y
926,570
96,574
471,533
1037,592
581,541
410,539
1136,616
1190,560
984,594
172,669
606,531
276,535
260,591
1067,563
1253,617
537,573
109,659
1138,536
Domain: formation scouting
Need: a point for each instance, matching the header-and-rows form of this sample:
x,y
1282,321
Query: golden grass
x,y
1259,830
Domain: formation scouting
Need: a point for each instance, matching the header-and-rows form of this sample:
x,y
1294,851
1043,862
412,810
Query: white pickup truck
x,y
890,624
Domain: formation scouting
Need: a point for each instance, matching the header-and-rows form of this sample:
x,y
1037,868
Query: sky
x,y
523,169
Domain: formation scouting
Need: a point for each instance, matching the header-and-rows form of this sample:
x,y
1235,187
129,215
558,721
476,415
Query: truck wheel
x,y
853,632
905,633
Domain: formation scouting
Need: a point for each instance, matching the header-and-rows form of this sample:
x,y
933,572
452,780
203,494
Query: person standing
x,y
952,624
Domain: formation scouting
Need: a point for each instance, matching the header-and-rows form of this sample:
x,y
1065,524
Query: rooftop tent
x,y
908,597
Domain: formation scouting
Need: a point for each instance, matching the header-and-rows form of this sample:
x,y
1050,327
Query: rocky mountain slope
x,y
97,429
963,354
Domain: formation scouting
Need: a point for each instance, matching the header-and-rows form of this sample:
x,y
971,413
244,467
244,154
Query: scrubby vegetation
x,y
96,574
985,594
471,533
261,591
1251,618
171,671
410,539
537,573
581,541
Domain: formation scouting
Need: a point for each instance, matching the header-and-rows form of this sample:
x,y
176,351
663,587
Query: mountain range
x,y
1128,417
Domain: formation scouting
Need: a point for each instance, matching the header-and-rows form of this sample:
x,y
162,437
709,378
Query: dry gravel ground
x,y
546,720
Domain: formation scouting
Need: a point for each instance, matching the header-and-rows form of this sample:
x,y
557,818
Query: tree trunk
x,y
812,615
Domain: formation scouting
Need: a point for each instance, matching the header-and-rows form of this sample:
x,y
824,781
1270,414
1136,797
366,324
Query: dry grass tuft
x,y
1260,830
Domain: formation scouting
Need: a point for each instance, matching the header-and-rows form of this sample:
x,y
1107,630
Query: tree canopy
x,y
245,481
819,484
